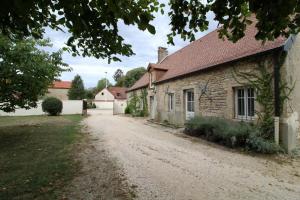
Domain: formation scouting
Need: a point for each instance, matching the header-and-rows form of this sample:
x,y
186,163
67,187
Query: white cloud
x,y
143,43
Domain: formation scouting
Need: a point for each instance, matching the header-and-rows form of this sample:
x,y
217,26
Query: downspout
x,y
277,103
277,95
277,83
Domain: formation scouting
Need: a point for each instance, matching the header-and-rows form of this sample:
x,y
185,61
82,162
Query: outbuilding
x,y
112,98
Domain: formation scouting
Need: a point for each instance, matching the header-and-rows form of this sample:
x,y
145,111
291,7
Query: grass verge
x,y
36,158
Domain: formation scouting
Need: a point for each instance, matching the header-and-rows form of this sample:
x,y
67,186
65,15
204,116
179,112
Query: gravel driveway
x,y
161,163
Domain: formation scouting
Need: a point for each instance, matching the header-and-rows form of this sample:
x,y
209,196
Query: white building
x,y
112,98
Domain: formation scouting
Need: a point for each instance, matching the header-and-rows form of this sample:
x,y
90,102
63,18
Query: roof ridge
x,y
189,44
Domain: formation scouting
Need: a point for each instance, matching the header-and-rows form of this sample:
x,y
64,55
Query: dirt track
x,y
163,164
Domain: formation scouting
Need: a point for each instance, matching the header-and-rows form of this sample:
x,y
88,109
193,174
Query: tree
x,y
118,74
94,24
89,93
121,82
76,91
26,72
275,18
102,84
133,75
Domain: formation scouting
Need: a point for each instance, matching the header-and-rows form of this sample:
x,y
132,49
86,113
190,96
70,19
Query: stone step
x,y
296,151
298,143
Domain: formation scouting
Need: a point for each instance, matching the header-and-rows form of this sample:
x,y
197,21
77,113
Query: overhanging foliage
x,y
94,25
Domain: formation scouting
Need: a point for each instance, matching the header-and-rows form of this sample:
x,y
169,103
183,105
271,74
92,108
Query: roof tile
x,y
61,85
210,51
118,92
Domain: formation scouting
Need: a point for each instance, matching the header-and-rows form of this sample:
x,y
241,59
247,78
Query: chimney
x,y
161,54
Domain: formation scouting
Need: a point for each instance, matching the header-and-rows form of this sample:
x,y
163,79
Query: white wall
x,y
105,105
69,107
104,95
119,106
292,73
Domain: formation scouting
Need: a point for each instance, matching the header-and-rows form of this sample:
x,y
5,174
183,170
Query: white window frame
x,y
246,115
170,102
189,113
192,102
150,80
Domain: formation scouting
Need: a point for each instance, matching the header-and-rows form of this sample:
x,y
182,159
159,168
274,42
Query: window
x,y
171,101
118,94
245,103
150,80
190,101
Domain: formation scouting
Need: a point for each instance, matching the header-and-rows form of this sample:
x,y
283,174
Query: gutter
x,y
277,83
130,90
217,65
285,48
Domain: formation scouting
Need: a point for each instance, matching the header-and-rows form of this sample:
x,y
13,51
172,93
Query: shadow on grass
x,y
36,158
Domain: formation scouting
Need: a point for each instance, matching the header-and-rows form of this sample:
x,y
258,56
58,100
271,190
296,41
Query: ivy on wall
x,y
261,78
138,105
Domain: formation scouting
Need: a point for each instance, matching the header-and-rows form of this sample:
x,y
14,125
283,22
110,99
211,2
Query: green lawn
x,y
36,157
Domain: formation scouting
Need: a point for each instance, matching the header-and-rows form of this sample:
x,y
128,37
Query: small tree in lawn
x,y
26,71
53,106
77,91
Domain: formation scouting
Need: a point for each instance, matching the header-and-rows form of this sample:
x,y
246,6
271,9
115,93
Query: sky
x,y
144,46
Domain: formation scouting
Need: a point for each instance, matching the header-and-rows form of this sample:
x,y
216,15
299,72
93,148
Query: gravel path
x,y
161,163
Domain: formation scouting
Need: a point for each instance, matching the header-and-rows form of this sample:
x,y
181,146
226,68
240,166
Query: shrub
x,y
91,105
219,130
138,113
127,110
229,133
261,145
52,106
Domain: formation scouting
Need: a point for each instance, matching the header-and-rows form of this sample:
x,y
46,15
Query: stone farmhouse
x,y
200,79
59,89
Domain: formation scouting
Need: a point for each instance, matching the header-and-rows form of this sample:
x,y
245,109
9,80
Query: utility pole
x,y
105,79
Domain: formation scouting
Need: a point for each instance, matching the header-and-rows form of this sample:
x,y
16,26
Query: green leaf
x,y
31,69
151,29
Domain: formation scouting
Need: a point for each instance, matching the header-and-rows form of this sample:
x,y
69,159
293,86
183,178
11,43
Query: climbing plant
x,y
138,105
261,78
143,98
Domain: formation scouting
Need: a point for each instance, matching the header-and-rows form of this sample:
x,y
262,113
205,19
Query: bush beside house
x,y
137,105
91,105
231,134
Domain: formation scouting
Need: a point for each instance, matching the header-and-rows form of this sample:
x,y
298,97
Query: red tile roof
x,y
142,82
61,85
210,51
158,66
118,92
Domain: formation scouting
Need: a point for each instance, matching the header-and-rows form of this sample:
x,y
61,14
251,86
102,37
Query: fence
x,y
69,107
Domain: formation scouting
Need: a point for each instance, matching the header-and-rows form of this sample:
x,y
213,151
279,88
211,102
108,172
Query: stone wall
x,y
61,94
138,92
291,73
218,100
